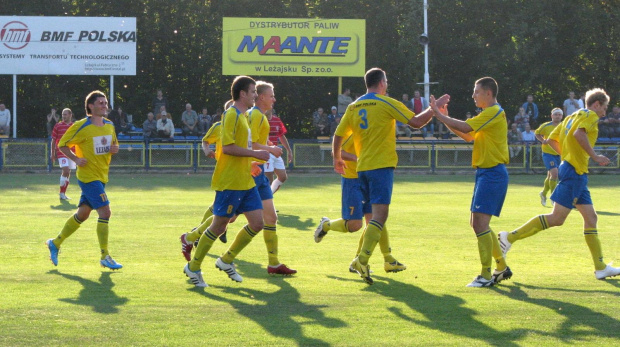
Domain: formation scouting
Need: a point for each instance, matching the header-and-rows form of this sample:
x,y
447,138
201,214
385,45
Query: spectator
x,y
571,104
582,101
189,118
420,104
319,121
217,117
344,100
5,120
333,125
163,109
531,109
528,135
204,121
149,127
52,119
614,121
165,128
323,125
514,140
521,118
119,118
331,118
159,101
407,102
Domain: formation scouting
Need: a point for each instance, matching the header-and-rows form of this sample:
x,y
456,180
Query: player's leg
x,y
489,195
268,168
270,236
553,178
280,171
376,187
102,235
71,225
352,211
64,177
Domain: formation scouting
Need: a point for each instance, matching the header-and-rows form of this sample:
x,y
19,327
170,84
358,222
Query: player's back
x,y
372,121
572,151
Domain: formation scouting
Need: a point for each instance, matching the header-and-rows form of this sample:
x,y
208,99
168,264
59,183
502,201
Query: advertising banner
x,y
294,47
67,45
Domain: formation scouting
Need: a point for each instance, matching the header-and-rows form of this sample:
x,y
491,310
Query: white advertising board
x,y
67,45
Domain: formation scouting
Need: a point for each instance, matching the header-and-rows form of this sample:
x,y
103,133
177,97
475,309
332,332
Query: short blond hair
x,y
596,94
262,86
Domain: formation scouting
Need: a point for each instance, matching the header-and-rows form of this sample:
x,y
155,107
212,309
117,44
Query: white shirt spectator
x,y
5,120
528,136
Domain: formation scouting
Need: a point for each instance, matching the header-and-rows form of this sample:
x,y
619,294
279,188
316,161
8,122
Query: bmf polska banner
x,y
67,45
294,47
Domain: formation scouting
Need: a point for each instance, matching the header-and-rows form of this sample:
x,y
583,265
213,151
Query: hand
x,y
601,160
255,170
276,151
443,100
114,149
81,162
339,166
261,155
210,154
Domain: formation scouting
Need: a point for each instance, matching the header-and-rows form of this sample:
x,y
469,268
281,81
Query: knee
x,y
555,221
270,219
283,176
256,226
105,213
354,225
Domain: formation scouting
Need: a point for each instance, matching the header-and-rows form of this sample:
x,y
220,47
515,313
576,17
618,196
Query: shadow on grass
x,y
279,312
64,205
292,221
98,295
605,213
444,313
580,322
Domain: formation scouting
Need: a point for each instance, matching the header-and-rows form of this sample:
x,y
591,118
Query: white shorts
x,y
274,163
64,162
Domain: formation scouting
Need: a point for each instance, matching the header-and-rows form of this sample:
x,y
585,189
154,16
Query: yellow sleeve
x,y
213,134
344,128
555,134
229,124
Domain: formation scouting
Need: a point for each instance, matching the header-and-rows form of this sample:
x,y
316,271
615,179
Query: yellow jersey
x,y
371,120
259,125
213,136
232,172
91,142
490,138
544,130
350,170
572,151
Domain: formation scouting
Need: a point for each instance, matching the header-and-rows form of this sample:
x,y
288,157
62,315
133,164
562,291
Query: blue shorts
x,y
93,194
551,161
377,185
353,205
572,188
490,190
263,186
231,202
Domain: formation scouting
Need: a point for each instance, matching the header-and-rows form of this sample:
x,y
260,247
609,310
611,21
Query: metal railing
x,y
18,154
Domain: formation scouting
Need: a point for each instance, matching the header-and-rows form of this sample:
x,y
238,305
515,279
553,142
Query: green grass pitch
x,y
553,298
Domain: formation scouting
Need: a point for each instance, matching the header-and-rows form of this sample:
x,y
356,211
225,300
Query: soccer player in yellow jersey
x,y
489,131
371,120
550,157
354,208
95,141
235,190
574,139
259,125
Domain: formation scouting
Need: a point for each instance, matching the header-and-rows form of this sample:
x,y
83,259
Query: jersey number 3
x,y
363,116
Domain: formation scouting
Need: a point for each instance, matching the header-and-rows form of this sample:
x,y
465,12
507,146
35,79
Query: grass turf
x,y
552,299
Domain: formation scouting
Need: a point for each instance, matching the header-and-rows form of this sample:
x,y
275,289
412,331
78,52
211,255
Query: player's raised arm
x,y
459,127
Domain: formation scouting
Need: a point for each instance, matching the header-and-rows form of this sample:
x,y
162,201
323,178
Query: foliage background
x,y
541,47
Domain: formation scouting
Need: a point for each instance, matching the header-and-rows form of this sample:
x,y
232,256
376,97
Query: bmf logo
x,y
15,35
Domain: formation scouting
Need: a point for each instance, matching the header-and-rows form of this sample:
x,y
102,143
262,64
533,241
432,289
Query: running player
x,y
574,139
489,131
260,127
95,142
235,190
353,210
277,132
66,164
371,120
550,157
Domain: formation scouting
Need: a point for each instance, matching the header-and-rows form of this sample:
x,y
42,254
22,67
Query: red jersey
x,y
276,129
59,129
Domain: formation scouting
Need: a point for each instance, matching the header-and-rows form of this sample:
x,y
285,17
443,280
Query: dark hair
x,y
91,98
240,83
488,83
373,77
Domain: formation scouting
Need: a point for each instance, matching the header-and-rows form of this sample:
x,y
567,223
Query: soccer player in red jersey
x,y
66,164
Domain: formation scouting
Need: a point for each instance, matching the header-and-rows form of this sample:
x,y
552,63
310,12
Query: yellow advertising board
x,y
294,47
